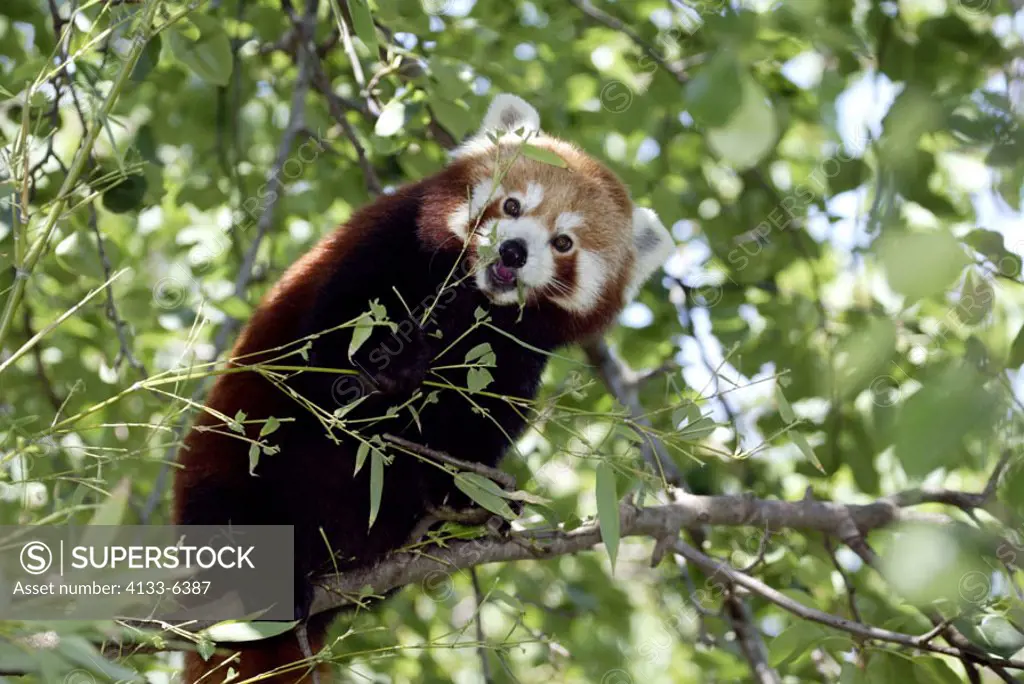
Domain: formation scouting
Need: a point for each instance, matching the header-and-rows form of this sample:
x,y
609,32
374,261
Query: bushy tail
x,y
281,652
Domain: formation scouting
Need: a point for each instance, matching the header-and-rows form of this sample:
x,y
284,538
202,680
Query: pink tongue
x,y
505,274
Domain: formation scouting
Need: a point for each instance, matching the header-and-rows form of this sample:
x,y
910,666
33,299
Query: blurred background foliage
x,y
843,316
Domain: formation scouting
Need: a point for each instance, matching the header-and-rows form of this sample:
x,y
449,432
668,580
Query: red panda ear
x,y
653,245
506,115
509,113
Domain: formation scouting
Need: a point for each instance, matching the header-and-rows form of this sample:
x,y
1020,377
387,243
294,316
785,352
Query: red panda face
x,y
537,232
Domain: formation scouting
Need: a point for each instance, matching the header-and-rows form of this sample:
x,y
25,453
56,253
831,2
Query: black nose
x,y
513,253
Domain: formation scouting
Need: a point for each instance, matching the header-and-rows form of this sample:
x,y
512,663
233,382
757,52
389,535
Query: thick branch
x,y
657,522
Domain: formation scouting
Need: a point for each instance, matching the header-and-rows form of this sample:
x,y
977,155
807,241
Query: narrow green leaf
x,y
542,154
254,457
111,511
976,299
101,531
805,447
698,429
608,510
484,492
785,410
364,27
376,483
360,334
361,453
234,631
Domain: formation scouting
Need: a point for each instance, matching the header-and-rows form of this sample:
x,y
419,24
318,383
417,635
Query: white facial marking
x,y
462,219
568,220
591,275
534,196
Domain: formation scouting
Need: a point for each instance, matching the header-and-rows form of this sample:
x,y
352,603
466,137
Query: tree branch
x,y
657,522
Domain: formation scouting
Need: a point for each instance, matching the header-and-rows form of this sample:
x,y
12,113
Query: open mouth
x,y
501,277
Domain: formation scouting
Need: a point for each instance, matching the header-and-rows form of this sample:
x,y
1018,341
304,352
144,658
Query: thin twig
x,y
485,664
796,608
499,477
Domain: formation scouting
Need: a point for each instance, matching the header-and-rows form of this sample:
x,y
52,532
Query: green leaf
x,y
235,631
805,447
478,351
210,56
485,493
715,92
205,648
990,244
363,24
921,264
861,355
608,510
542,154
79,651
360,334
478,378
101,530
934,671
1016,359
391,119
1001,637
750,133
454,117
254,457
785,410
361,453
236,307
376,483
794,641
697,426
851,174
270,426
935,420
976,299
79,254
111,511
148,60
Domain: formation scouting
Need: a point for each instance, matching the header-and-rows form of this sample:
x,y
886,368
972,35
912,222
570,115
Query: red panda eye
x,y
562,243
512,207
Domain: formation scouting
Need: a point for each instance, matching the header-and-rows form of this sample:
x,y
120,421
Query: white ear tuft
x,y
654,245
509,113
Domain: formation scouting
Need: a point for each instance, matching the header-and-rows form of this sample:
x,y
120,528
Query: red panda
x,y
550,253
